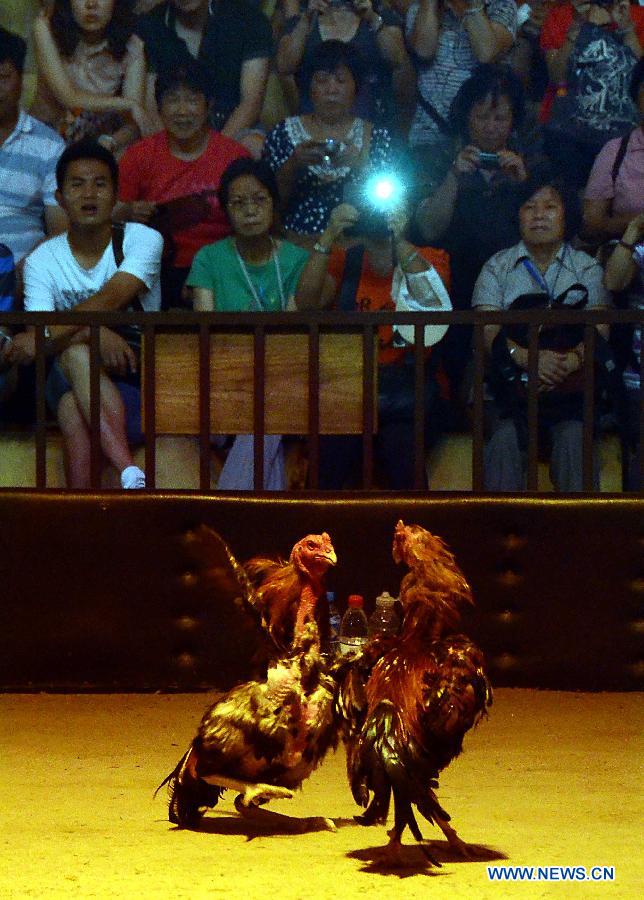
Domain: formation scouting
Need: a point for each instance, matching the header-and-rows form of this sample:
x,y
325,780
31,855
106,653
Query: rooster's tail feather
x,y
188,794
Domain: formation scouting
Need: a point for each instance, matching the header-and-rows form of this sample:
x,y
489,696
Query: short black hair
x,y
637,77
246,165
13,49
487,80
329,55
186,76
545,177
87,148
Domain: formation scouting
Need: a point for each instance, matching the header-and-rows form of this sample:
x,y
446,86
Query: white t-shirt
x,y
54,280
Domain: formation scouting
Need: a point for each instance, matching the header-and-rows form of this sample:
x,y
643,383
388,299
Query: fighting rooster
x,y
265,736
422,696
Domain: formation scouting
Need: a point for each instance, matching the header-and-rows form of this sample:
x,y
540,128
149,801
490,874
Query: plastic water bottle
x,y
334,622
354,627
384,620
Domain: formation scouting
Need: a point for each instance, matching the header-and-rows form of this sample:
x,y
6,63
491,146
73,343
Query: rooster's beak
x,y
330,557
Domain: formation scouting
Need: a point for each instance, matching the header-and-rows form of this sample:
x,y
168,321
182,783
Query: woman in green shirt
x,y
253,270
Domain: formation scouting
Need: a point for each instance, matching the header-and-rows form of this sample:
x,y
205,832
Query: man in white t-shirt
x,y
79,270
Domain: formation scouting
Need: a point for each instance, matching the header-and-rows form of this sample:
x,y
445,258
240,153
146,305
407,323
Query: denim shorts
x,y
57,386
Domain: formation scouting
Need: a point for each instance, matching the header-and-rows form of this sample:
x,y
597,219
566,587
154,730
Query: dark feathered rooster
x,y
265,736
422,696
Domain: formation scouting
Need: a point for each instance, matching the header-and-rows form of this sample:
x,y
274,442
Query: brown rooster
x,y
421,697
265,736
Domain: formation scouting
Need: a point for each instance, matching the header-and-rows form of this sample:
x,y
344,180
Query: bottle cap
x,y
385,599
356,600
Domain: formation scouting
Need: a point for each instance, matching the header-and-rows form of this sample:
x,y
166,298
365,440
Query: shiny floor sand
x,y
550,779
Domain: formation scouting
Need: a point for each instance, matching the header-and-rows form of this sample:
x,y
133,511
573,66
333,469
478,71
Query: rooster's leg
x,y
455,842
251,794
267,819
391,856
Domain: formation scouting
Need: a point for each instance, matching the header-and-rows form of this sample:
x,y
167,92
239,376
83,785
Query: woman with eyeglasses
x,y
254,270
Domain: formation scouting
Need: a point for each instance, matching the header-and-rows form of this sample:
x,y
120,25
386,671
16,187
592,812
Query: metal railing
x,y
314,324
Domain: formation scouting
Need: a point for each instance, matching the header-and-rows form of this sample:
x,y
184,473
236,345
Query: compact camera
x,y
331,149
489,160
373,197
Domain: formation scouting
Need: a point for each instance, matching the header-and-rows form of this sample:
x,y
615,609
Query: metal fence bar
x,y
478,473
640,474
588,451
533,407
368,416
41,410
314,405
204,407
150,408
95,451
420,472
259,356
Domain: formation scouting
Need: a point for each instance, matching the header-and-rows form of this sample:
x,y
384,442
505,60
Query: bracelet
x,y
473,10
628,246
405,262
320,248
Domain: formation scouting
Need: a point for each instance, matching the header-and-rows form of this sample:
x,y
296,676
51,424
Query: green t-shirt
x,y
217,268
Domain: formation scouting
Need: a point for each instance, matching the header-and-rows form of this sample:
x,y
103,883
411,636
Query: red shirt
x,y
149,171
553,35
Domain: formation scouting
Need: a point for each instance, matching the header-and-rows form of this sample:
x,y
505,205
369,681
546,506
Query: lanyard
x,y
257,304
539,279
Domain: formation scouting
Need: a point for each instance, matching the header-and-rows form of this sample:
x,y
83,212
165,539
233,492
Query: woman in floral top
x,y
315,155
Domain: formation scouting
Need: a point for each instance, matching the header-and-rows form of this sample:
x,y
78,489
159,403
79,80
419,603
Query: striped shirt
x,y
28,160
453,62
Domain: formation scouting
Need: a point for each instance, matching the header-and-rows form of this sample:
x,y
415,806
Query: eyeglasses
x,y
257,200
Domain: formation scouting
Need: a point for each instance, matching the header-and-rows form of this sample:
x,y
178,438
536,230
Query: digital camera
x,y
373,197
489,160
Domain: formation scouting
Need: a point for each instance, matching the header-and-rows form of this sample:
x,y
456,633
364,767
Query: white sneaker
x,y
133,479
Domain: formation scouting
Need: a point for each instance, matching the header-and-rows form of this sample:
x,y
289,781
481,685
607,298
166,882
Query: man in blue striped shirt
x,y
29,151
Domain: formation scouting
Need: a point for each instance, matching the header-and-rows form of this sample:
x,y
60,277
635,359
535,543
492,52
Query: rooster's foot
x,y
393,856
366,818
466,851
257,794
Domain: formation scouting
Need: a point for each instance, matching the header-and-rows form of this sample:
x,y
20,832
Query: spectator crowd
x,y
412,155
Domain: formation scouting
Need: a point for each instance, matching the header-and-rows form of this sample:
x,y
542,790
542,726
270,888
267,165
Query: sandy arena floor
x,y
551,779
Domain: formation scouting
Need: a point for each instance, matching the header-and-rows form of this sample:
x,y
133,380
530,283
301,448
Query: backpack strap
x,y
351,278
118,236
619,157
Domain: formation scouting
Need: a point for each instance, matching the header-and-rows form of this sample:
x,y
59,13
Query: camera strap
x,y
351,278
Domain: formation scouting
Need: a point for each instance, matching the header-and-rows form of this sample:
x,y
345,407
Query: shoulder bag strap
x,y
118,235
351,278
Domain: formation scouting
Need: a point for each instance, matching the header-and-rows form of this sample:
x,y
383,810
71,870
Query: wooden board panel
x,y
286,384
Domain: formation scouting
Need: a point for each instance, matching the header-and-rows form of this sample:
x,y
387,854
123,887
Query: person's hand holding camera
x,y
512,165
308,153
342,217
467,161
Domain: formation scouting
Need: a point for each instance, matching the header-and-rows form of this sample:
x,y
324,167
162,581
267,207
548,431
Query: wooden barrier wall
x,y
96,593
